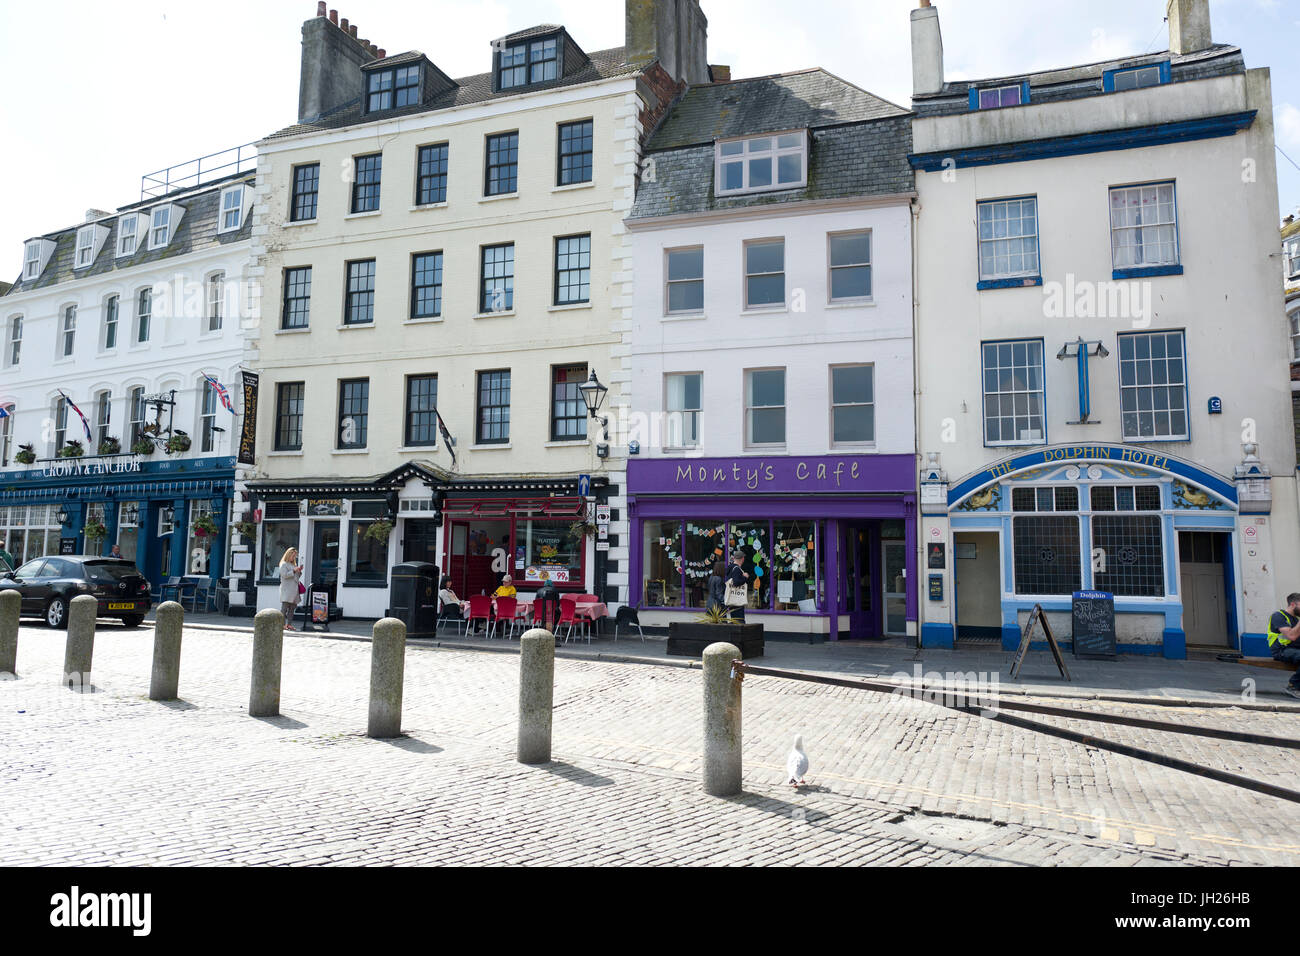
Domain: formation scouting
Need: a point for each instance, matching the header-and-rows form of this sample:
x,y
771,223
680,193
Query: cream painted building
x,y
1102,397
435,247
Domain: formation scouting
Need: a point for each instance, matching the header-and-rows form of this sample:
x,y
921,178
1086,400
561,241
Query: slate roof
x,y
765,104
196,232
604,65
859,147
1079,82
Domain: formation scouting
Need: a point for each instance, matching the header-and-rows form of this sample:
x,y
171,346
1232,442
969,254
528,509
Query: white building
x,y
436,247
1101,398
125,317
771,358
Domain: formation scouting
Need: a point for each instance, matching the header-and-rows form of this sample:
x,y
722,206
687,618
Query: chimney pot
x,y
343,24
334,17
352,30
320,8
382,53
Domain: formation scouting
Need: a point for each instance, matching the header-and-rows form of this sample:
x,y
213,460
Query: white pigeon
x,y
796,764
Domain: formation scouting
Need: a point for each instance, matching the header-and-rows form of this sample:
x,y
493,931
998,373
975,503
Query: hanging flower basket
x,y
204,526
582,529
72,449
142,447
95,530
246,529
178,442
25,455
110,446
380,530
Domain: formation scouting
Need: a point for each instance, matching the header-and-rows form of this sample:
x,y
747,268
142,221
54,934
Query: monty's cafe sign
x,y
844,474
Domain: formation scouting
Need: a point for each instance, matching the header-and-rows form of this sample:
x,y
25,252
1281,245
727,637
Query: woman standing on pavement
x,y
738,577
290,588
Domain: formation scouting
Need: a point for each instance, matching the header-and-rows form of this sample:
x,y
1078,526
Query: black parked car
x,y
49,584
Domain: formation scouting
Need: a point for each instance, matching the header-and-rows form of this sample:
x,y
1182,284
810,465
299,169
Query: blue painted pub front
x,y
154,511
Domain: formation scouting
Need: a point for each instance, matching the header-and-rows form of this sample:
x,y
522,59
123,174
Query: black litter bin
x,y
413,597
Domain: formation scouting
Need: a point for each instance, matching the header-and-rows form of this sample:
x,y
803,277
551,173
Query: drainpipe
x,y
919,541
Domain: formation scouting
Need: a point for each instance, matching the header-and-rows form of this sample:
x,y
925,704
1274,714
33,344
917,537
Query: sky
x,y
94,95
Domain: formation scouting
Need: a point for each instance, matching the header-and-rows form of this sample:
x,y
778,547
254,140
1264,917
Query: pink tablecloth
x,y
590,611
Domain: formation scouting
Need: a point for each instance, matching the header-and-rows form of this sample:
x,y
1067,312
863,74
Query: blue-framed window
x,y
995,97
1144,230
1008,242
1014,400
1153,386
1135,77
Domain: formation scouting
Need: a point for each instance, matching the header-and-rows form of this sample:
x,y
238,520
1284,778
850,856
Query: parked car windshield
x,y
110,570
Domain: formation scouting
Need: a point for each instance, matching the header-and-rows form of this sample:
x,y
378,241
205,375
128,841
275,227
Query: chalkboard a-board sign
x,y
1092,616
67,546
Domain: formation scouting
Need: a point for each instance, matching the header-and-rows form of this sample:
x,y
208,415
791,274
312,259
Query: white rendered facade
x,y
1213,549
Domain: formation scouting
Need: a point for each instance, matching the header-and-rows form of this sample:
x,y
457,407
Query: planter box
x,y
690,638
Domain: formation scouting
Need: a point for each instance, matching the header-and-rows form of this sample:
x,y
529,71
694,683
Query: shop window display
x,y
752,539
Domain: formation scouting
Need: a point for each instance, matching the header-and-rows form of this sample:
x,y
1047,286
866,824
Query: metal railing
x,y
195,172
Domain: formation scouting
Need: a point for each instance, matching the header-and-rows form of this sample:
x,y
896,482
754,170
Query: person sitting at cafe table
x,y
507,588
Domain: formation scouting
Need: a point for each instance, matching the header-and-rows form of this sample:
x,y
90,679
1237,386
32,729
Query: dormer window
x,y
995,97
523,64
390,89
85,247
761,163
160,233
32,260
164,221
36,256
232,208
1135,77
1291,255
127,234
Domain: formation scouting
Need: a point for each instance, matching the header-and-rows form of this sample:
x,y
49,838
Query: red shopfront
x,y
531,539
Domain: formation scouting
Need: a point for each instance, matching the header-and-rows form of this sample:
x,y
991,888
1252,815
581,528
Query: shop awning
x,y
513,507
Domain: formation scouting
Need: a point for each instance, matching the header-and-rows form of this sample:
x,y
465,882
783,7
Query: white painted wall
x,y
726,340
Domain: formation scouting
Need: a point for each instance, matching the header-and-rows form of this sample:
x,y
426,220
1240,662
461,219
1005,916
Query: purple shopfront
x,y
829,541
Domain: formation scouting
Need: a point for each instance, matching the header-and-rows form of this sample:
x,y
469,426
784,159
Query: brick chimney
x,y
927,50
675,32
720,74
331,65
1189,26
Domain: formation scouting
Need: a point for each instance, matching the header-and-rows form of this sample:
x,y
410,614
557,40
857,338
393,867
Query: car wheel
x,y
132,620
56,612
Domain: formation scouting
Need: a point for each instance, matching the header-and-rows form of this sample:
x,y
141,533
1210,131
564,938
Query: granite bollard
x,y
387,672
80,648
10,604
722,738
166,675
536,695
268,652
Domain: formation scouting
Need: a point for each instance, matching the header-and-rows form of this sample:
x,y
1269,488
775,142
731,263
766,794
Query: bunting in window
x,y
84,423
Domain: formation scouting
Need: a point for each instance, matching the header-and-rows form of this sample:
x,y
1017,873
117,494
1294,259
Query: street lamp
x,y
63,516
593,394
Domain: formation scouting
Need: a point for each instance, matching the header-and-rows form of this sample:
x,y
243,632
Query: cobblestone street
x,y
110,777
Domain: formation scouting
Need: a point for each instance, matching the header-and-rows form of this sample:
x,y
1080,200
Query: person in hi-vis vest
x,y
1284,639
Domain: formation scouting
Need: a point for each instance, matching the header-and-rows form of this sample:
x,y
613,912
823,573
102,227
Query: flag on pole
x,y
446,437
90,436
6,409
221,393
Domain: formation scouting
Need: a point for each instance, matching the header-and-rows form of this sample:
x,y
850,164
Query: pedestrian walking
x,y
1284,639
290,586
6,560
737,593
